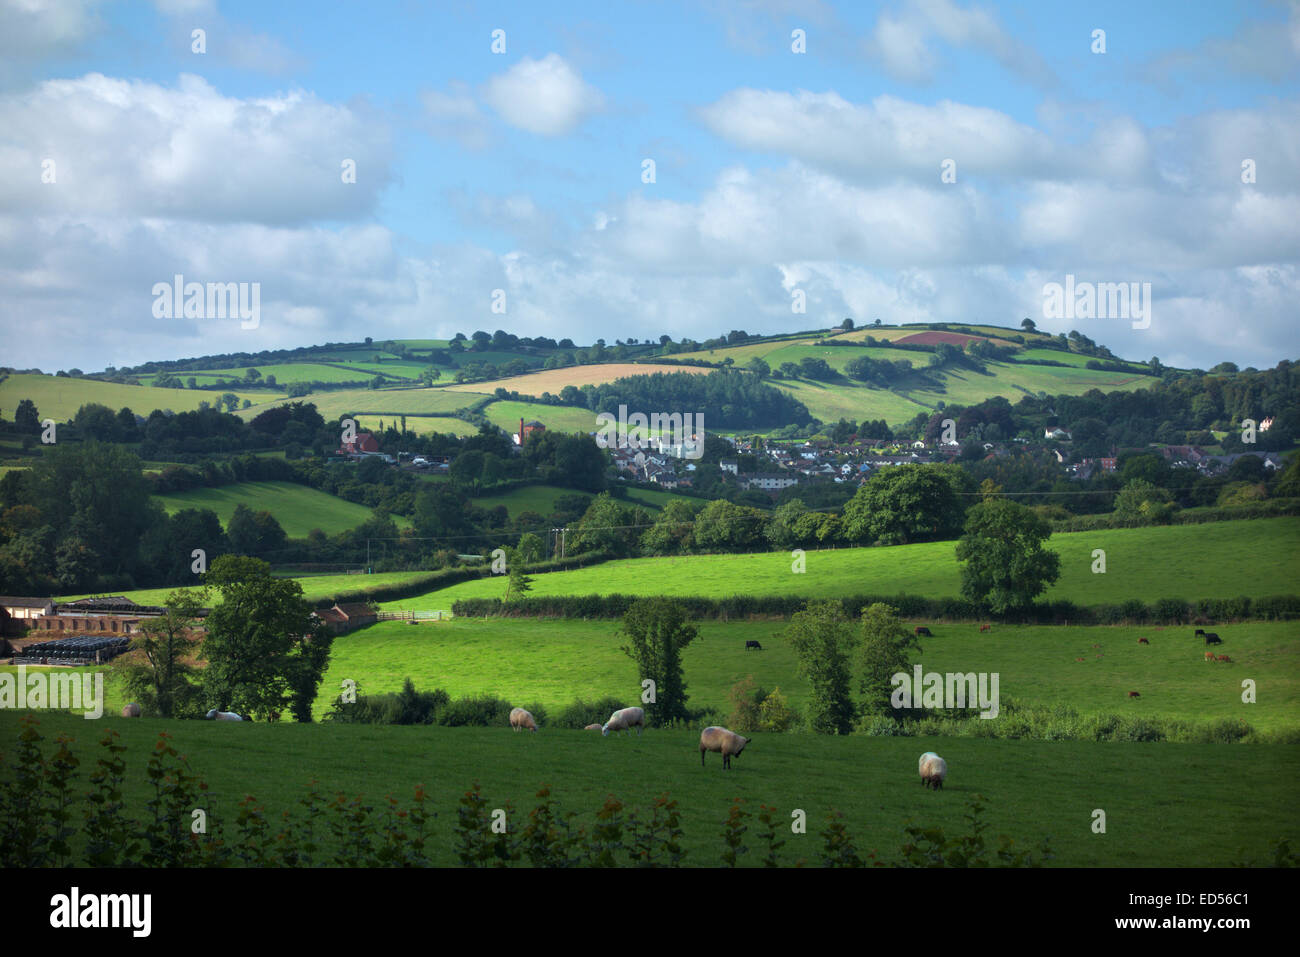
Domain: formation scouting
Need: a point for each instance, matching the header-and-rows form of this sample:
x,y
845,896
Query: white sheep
x,y
215,715
925,757
724,742
520,719
933,770
624,720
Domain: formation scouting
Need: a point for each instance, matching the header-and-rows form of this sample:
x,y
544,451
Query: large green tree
x,y
1006,566
887,648
823,640
908,503
265,651
657,631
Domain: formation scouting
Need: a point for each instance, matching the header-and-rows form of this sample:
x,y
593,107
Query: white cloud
x,y
545,96
134,148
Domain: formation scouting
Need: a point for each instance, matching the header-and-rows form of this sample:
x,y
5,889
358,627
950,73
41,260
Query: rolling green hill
x,y
1215,560
59,398
297,508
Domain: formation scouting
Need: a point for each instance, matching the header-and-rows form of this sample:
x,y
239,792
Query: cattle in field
x,y
1223,658
215,715
1212,639
1143,641
984,628
1200,633
1209,656
753,645
1134,694
923,631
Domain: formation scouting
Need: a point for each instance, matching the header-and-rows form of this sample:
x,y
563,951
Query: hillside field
x,y
1200,815
331,405
505,414
541,499
59,397
1216,560
552,662
297,508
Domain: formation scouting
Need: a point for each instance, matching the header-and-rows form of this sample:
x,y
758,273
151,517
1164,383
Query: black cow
x,y
1200,633
923,631
753,644
1212,639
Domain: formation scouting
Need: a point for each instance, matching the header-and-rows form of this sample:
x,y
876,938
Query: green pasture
x,y
854,401
59,397
541,499
297,508
552,662
558,418
285,373
331,405
1167,805
1214,560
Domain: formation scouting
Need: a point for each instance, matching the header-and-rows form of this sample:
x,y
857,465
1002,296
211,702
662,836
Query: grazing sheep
x,y
1143,641
131,710
592,727
754,645
923,631
724,742
624,720
920,764
1134,694
933,770
521,719
215,715
1212,639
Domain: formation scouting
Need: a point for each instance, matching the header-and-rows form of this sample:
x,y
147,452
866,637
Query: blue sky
x,y
775,171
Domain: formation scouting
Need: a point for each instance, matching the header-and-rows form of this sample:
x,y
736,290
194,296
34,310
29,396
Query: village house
x,y
363,443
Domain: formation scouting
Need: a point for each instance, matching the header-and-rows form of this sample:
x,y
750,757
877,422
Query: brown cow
x,y
1134,694
1143,641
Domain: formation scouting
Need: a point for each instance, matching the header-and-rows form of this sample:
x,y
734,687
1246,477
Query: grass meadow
x,y
1215,560
542,498
59,397
297,508
1167,805
552,662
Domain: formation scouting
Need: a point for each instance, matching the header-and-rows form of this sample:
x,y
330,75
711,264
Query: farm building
x,y
363,443
340,619
114,615
526,429
17,614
